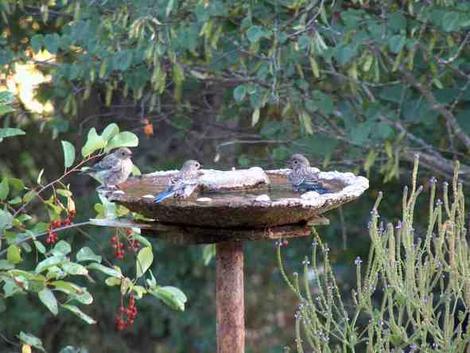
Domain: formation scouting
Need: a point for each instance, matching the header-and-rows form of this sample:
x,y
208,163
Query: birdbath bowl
x,y
230,207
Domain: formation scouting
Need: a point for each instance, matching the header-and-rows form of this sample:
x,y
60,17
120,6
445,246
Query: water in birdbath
x,y
277,190
252,204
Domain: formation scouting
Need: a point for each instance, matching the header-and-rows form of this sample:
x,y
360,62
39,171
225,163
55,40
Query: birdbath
x,y
231,207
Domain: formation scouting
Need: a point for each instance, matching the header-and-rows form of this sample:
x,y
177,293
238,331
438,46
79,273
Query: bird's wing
x,y
311,182
109,163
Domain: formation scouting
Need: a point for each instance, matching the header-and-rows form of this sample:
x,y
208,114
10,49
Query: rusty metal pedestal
x,y
230,301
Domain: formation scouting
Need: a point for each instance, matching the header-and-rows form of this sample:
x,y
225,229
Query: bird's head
x,y
298,161
191,165
123,153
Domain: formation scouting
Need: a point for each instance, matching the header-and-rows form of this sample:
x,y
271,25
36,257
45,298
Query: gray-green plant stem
x,y
412,291
59,179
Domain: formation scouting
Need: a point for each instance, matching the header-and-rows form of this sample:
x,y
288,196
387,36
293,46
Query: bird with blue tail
x,y
183,183
113,169
303,177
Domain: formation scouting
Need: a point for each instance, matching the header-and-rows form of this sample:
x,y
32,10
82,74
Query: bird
x,y
303,177
113,169
183,183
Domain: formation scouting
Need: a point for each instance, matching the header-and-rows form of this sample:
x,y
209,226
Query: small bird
x,y
303,177
113,169
183,183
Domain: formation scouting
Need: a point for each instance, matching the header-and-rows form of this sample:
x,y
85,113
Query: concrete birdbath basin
x,y
231,207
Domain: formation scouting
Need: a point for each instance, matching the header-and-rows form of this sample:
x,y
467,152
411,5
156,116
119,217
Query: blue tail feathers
x,y
164,195
312,186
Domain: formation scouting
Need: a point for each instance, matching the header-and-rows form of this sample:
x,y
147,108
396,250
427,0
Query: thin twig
x,y
56,230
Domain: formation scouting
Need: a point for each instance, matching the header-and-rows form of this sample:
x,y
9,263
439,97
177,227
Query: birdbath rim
x,y
240,198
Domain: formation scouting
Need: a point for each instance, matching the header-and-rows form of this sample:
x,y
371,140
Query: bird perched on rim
x,y
303,177
113,169
183,183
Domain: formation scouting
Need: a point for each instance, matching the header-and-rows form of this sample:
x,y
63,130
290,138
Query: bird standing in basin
x,y
183,183
113,169
303,177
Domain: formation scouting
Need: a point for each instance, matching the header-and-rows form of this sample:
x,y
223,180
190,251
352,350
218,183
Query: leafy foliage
x,y
383,79
54,275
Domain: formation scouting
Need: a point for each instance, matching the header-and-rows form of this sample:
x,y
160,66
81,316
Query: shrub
x,y
412,296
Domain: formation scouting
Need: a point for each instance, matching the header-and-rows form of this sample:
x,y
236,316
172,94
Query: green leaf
x,y
123,139
51,42
106,270
306,122
112,281
74,269
5,265
139,291
6,99
4,189
239,93
49,300
67,287
39,247
37,42
83,297
255,33
144,260
171,296
396,43
61,248
64,192
93,143
208,253
110,131
49,262
86,254
451,21
6,220
255,117
69,153
10,132
16,184
397,21
74,309
14,254
29,196
136,171
31,340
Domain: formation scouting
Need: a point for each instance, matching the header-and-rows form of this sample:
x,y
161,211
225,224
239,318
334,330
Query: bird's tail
x,y
163,196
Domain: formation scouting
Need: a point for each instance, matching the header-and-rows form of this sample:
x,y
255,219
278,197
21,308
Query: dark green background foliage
x,y
355,85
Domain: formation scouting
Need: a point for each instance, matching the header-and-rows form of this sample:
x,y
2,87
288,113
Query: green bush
x,y
35,262
412,296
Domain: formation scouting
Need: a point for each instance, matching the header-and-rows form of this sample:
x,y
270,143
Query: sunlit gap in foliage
x,y
413,295
25,80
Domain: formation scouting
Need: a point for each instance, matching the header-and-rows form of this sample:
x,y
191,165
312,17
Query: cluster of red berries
x,y
52,236
126,316
119,247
